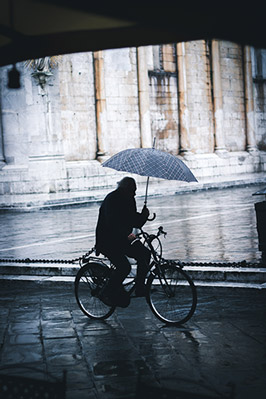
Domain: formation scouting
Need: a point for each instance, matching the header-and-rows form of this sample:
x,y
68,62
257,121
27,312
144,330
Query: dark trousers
x,y
122,266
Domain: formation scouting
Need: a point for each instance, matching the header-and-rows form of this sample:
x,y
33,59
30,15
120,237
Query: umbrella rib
x,y
152,163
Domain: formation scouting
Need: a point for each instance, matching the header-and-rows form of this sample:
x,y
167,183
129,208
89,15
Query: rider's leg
x,y
114,289
142,255
122,268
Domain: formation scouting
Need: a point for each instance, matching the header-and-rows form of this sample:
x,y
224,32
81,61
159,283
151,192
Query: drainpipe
x,y
101,113
249,101
144,99
217,99
183,100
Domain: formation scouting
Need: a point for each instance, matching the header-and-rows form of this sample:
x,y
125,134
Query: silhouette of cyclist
x,y
114,239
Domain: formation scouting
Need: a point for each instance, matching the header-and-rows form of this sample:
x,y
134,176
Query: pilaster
x,y
249,101
144,99
217,100
101,112
2,156
183,100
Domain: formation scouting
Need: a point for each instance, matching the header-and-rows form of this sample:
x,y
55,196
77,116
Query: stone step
x,y
39,269
233,274
66,273
15,281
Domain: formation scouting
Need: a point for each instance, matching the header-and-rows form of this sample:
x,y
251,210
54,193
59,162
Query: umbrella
x,y
150,162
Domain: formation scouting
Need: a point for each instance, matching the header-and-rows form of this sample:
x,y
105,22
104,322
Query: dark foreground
x,y
219,353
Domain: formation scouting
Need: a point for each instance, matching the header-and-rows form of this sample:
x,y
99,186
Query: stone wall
x,y
77,106
233,96
121,87
198,99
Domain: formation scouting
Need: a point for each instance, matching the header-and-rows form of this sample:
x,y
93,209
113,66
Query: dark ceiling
x,y
36,28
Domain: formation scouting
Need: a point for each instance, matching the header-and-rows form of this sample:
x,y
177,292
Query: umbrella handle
x,y
145,201
154,214
152,218
146,193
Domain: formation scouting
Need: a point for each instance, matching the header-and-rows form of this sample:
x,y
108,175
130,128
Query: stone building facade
x,y
202,100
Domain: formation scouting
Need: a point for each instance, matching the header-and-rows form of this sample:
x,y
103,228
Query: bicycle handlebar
x,y
160,231
144,233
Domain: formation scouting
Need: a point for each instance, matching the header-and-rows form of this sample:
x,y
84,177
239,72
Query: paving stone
x,y
219,353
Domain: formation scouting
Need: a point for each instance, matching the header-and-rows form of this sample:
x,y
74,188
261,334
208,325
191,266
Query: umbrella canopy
x,y
152,163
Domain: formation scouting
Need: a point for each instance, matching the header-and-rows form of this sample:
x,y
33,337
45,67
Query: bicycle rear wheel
x,y
172,295
89,282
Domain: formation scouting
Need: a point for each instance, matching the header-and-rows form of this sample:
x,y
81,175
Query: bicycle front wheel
x,y
156,245
172,295
89,282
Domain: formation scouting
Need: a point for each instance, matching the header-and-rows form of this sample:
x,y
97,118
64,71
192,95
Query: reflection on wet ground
x,y
213,225
219,353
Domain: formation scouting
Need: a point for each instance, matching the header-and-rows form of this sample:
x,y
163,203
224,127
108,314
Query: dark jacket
x,y
117,217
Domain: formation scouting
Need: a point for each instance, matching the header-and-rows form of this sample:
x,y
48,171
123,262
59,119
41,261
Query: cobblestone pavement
x,y
219,353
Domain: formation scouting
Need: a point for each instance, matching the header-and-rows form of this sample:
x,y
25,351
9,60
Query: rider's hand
x,y
145,211
131,237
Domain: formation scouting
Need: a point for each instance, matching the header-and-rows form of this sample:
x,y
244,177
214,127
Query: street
x,y
219,353
213,225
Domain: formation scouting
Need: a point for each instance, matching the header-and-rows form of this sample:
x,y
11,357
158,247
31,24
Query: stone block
x,y
233,160
5,188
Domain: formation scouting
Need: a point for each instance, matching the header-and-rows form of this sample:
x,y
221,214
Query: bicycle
x,y
171,293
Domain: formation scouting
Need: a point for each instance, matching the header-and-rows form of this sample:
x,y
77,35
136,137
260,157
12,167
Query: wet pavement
x,y
212,225
219,353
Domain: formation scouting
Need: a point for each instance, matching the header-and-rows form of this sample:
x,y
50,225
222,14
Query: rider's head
x,y
128,185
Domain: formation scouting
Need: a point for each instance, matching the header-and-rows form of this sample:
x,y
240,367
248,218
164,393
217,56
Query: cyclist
x,y
114,239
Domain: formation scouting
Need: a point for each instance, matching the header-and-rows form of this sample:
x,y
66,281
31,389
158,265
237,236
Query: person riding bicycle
x,y
114,239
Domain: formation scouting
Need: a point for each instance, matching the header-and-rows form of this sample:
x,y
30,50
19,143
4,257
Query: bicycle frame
x,y
154,267
148,238
169,304
158,260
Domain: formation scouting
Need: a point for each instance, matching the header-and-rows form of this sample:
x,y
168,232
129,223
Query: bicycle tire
x,y
172,295
89,281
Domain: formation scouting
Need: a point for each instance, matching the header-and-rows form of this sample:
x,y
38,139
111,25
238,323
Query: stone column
x,y
249,100
2,153
217,99
182,99
101,113
144,99
2,157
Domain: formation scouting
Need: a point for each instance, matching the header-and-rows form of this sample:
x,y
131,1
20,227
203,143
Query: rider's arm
x,y
141,218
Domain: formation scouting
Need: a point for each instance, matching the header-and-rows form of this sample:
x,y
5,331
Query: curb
x,y
54,275
34,202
